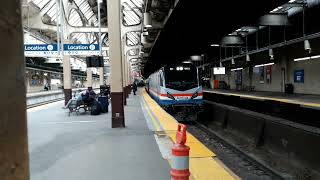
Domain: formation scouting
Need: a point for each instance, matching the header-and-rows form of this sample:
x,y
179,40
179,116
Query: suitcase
x,y
103,100
95,108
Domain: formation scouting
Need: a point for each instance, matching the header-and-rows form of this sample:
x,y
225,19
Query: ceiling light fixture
x,y
147,20
271,54
232,60
248,58
145,33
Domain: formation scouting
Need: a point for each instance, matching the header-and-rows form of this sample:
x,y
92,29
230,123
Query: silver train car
x,y
175,85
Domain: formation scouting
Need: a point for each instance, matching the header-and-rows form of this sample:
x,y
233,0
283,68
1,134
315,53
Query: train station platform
x,y
305,100
86,147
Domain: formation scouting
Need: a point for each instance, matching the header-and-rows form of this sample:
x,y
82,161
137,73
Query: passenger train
x,y
175,85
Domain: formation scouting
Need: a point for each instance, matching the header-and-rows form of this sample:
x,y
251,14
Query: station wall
x,y
36,79
310,84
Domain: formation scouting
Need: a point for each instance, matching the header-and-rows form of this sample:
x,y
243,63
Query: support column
x,y
123,72
14,156
89,78
101,76
67,81
130,77
126,77
113,9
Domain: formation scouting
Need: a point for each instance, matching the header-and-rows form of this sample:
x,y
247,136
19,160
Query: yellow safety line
x,y
268,98
155,124
202,164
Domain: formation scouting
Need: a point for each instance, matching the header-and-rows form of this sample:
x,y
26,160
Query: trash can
x,y
215,84
288,88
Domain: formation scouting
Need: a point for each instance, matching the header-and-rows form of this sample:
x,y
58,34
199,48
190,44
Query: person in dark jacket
x,y
134,87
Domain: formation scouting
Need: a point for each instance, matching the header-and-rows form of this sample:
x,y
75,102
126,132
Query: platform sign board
x,y
81,49
41,50
219,70
299,76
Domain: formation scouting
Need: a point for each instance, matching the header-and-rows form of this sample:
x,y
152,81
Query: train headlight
x,y
170,96
194,95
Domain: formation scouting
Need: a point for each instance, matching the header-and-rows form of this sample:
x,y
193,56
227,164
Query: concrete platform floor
x,y
85,147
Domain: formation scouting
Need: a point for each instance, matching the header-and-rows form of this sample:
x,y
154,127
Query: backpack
x,y
95,108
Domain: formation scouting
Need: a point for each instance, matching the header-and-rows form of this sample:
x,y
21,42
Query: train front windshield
x,y
181,78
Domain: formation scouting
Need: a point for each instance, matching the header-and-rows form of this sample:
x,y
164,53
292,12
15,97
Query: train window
x,y
181,78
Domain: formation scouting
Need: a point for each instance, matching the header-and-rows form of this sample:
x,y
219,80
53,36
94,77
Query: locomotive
x,y
175,85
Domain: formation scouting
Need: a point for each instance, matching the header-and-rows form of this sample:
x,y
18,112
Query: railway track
x,y
244,156
43,103
246,166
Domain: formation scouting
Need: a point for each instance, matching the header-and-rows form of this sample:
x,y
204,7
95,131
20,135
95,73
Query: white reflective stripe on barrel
x,y
180,162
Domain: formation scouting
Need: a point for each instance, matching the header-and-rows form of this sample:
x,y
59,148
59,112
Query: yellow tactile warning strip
x,y
268,98
203,166
169,124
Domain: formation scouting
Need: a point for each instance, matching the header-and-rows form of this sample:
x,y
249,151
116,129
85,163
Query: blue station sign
x,y
40,50
81,49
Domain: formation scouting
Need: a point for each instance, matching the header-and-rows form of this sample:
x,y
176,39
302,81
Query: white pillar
x,y
123,71
89,77
101,76
14,156
67,81
115,63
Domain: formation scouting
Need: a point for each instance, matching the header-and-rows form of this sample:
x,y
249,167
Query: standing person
x,y
134,87
46,87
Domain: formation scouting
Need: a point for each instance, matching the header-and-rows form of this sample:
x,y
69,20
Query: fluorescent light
x,y
236,69
302,59
268,64
148,26
306,58
186,62
196,58
215,45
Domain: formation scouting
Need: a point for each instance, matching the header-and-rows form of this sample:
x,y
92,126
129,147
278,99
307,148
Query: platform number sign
x,y
299,76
